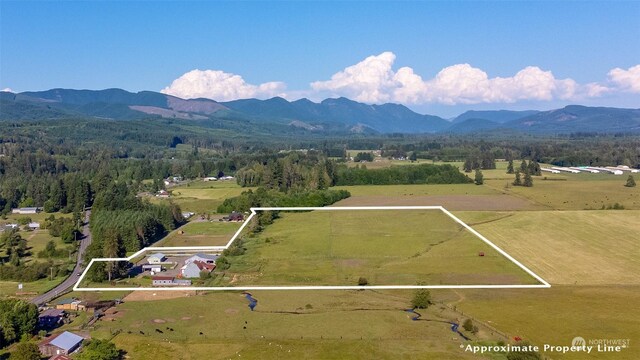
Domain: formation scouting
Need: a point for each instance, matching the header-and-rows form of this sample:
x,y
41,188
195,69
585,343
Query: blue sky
x,y
454,55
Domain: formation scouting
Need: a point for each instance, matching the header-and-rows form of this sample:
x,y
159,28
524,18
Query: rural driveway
x,y
79,268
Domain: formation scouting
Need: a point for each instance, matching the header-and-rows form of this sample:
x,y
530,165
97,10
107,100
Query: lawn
x,y
386,247
29,289
568,247
202,233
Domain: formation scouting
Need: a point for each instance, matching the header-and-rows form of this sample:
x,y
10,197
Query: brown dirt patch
x,y
159,321
159,295
231,311
185,318
450,202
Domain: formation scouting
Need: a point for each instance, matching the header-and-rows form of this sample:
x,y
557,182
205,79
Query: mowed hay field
x,y
201,233
203,197
387,247
284,325
556,315
568,247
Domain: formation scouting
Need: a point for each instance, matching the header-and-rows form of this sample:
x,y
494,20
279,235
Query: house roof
x,y
66,340
67,301
52,312
206,256
162,278
204,266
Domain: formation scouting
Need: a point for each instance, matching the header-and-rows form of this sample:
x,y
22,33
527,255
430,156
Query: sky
x,y
440,58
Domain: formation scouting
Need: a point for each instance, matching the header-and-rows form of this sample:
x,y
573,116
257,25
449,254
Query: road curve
x,y
78,269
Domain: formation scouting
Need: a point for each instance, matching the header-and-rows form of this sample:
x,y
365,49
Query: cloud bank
x,y
221,86
374,80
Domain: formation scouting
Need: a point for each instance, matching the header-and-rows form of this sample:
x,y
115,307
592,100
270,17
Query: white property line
x,y
544,284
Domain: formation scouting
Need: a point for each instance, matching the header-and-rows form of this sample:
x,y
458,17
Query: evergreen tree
x,y
468,165
510,167
413,156
630,182
517,181
528,180
523,166
479,179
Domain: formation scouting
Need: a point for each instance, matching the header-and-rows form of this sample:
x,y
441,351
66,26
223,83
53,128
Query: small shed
x,y
50,318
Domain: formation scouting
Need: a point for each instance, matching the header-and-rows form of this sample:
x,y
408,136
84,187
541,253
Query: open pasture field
x,y
387,247
203,197
568,247
558,314
284,325
452,197
201,233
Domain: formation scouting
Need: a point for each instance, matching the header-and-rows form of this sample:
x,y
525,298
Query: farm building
x,y
168,281
26,210
550,170
162,194
236,216
70,304
193,269
50,318
156,268
204,258
157,258
210,178
61,344
33,225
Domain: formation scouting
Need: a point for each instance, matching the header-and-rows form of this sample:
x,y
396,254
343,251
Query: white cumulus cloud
x,y
7,90
627,80
221,86
373,80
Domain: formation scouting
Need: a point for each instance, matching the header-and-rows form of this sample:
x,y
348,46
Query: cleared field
x,y
386,247
201,233
29,289
568,247
298,325
558,314
203,197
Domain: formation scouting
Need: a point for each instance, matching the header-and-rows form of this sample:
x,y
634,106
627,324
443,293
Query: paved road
x,y
78,269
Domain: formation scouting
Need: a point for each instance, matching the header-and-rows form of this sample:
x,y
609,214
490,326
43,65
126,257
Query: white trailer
x,y
624,168
550,170
566,169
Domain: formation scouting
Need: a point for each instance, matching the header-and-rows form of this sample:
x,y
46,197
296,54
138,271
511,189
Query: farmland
x,y
387,247
203,197
201,233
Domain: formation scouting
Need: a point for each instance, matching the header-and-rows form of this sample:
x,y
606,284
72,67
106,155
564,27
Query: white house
x,y
157,258
34,225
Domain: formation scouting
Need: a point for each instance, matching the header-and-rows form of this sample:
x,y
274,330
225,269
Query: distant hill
x,y
498,116
576,118
473,126
339,116
384,118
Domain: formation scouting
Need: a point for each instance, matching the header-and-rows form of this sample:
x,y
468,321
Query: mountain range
x,y
334,115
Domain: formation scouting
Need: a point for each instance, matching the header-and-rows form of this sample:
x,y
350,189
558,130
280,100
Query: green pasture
x,y
201,233
203,197
386,247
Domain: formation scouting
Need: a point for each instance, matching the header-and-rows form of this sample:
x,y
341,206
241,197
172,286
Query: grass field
x,y
386,247
285,325
201,233
203,197
568,247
